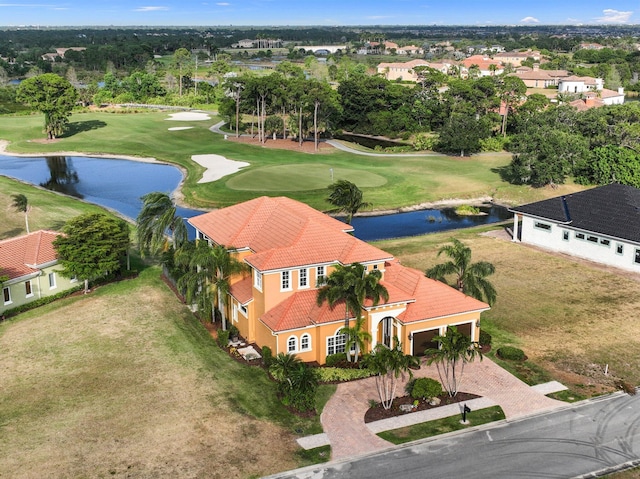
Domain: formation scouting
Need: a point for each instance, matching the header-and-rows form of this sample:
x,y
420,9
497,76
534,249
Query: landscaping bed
x,y
378,412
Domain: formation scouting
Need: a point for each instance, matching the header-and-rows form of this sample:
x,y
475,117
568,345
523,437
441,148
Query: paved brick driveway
x,y
343,415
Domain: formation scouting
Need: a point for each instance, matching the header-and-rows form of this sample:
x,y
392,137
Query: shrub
x,y
337,358
424,388
494,143
40,302
424,142
485,338
330,374
233,331
511,353
223,338
267,356
467,210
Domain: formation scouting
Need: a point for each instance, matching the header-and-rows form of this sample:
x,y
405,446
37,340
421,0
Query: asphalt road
x,y
596,435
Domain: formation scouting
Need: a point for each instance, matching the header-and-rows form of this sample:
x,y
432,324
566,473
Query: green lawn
x,y
442,426
387,182
49,210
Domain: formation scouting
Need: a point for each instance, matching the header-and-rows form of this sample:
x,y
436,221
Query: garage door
x,y
464,329
424,340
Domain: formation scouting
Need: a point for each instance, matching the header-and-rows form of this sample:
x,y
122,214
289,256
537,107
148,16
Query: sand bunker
x,y
177,128
188,116
217,166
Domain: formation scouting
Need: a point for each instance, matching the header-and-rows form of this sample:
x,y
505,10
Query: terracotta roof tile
x,y
301,310
22,255
284,233
242,290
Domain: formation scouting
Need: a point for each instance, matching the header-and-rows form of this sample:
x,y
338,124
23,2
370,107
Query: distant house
x,y
516,58
486,65
591,46
536,78
60,52
31,265
405,71
290,249
576,84
601,224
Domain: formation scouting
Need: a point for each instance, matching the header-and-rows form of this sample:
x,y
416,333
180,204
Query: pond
x,y
114,183
414,223
118,184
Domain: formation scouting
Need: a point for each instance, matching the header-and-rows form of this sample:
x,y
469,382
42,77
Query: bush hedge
x,y
40,302
425,388
485,338
511,353
330,374
333,359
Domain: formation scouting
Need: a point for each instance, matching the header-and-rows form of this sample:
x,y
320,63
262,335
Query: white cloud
x,y
529,20
223,4
614,16
150,9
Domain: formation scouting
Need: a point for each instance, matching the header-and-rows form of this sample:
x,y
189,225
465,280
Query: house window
x,y
257,280
292,344
303,281
305,342
580,236
320,280
27,289
52,280
565,235
243,309
6,294
593,239
285,283
542,226
605,242
637,257
619,248
387,331
336,344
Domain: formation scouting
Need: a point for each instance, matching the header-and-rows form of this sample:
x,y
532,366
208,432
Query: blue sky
x,y
316,12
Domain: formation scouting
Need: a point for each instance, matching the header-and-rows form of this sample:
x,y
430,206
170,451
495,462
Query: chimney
x,y
536,67
620,90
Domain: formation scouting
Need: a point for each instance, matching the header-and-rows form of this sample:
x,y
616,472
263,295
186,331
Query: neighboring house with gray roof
x,y
601,224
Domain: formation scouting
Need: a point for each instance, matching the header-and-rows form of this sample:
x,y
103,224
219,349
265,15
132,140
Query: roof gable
x,y
23,255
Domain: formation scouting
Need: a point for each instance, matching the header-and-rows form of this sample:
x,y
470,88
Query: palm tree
x,y
470,277
455,349
356,337
157,216
347,198
209,276
21,204
352,284
389,364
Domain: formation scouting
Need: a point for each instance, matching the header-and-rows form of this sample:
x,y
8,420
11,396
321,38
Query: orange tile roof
x,y
433,299
424,298
301,310
284,233
242,290
21,256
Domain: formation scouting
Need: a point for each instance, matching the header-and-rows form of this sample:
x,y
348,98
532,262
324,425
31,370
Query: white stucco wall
x,y
600,252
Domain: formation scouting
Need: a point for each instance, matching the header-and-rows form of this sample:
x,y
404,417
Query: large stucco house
x,y
289,247
601,224
32,269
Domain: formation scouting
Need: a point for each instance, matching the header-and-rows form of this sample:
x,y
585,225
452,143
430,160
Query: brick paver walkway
x,y
343,415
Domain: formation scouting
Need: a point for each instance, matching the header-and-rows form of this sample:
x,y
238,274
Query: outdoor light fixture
x,y
410,336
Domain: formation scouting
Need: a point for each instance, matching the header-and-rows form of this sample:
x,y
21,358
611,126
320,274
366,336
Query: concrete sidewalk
x,y
348,435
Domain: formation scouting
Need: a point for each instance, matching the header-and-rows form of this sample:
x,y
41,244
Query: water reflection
x,y
63,176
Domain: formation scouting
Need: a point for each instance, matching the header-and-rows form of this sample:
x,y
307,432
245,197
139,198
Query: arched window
x,y
387,331
292,344
305,342
336,343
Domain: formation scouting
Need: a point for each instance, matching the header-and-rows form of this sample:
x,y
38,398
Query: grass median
x,y
442,426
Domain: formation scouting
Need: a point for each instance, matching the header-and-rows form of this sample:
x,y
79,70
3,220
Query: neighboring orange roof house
x,y
289,247
29,262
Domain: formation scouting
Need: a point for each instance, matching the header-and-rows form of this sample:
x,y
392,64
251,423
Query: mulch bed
x,y
281,144
377,413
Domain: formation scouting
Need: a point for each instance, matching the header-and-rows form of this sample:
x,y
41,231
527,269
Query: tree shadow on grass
x,y
80,126
12,233
506,174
